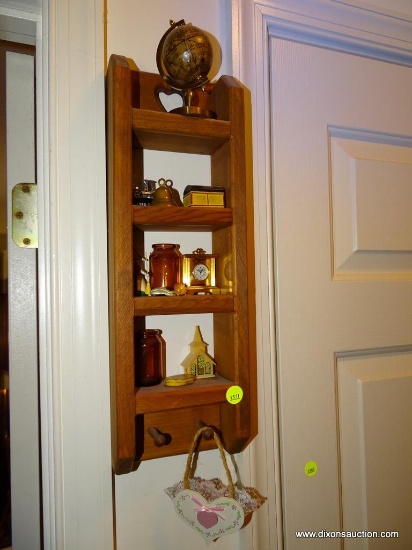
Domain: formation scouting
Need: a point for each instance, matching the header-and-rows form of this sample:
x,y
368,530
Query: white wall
x,y
145,517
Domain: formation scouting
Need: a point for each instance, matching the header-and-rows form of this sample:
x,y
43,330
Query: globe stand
x,y
192,110
184,58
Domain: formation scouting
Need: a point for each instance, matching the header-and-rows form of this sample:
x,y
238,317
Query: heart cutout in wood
x,y
222,516
170,101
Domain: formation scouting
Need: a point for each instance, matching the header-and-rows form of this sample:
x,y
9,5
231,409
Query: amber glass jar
x,y
150,354
162,350
165,265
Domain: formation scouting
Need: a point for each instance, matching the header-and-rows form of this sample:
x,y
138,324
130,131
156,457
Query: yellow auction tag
x,y
234,395
311,468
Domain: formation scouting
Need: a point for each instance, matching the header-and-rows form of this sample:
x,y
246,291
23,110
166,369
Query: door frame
x,y
73,299
23,26
347,26
72,267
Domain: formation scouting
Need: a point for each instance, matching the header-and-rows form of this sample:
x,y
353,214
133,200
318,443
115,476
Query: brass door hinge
x,y
24,215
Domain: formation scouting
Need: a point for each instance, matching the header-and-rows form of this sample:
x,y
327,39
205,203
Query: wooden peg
x,y
207,434
158,437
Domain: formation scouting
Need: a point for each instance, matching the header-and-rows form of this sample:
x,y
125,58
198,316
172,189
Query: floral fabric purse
x,y
210,507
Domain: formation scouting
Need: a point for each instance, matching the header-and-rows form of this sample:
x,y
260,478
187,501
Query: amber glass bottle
x,y
150,367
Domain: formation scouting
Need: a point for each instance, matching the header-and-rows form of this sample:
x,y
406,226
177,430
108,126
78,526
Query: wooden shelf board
x,y
206,391
179,133
175,218
178,305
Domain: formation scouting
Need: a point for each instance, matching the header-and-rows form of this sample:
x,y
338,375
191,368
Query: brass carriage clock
x,y
199,273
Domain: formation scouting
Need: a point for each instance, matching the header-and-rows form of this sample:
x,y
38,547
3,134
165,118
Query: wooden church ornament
x,y
198,362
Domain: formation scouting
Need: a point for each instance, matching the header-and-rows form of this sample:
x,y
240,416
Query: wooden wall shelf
x,y
181,305
163,398
136,120
158,218
168,132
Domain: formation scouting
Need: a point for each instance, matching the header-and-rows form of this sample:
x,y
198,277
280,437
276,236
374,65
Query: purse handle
x,y
186,481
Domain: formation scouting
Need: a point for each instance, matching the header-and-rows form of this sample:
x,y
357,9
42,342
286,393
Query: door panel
x,y
22,294
375,408
371,174
342,135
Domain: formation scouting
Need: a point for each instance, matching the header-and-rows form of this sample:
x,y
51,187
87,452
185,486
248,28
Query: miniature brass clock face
x,y
200,272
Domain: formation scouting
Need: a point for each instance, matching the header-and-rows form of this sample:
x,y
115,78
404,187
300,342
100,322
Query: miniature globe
x,y
184,56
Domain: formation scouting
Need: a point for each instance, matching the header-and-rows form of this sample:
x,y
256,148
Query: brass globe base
x,y
190,110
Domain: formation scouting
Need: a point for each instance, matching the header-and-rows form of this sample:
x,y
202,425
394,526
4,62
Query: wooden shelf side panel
x,y
120,250
229,164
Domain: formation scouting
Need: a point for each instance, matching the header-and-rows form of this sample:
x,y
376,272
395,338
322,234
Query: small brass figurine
x,y
165,195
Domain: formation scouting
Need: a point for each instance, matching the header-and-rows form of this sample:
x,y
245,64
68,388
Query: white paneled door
x,y
342,205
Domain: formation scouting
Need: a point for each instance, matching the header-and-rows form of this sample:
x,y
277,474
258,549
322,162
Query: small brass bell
x,y
163,195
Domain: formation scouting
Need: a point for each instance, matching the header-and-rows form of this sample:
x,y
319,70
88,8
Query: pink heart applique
x,y
207,519
222,516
